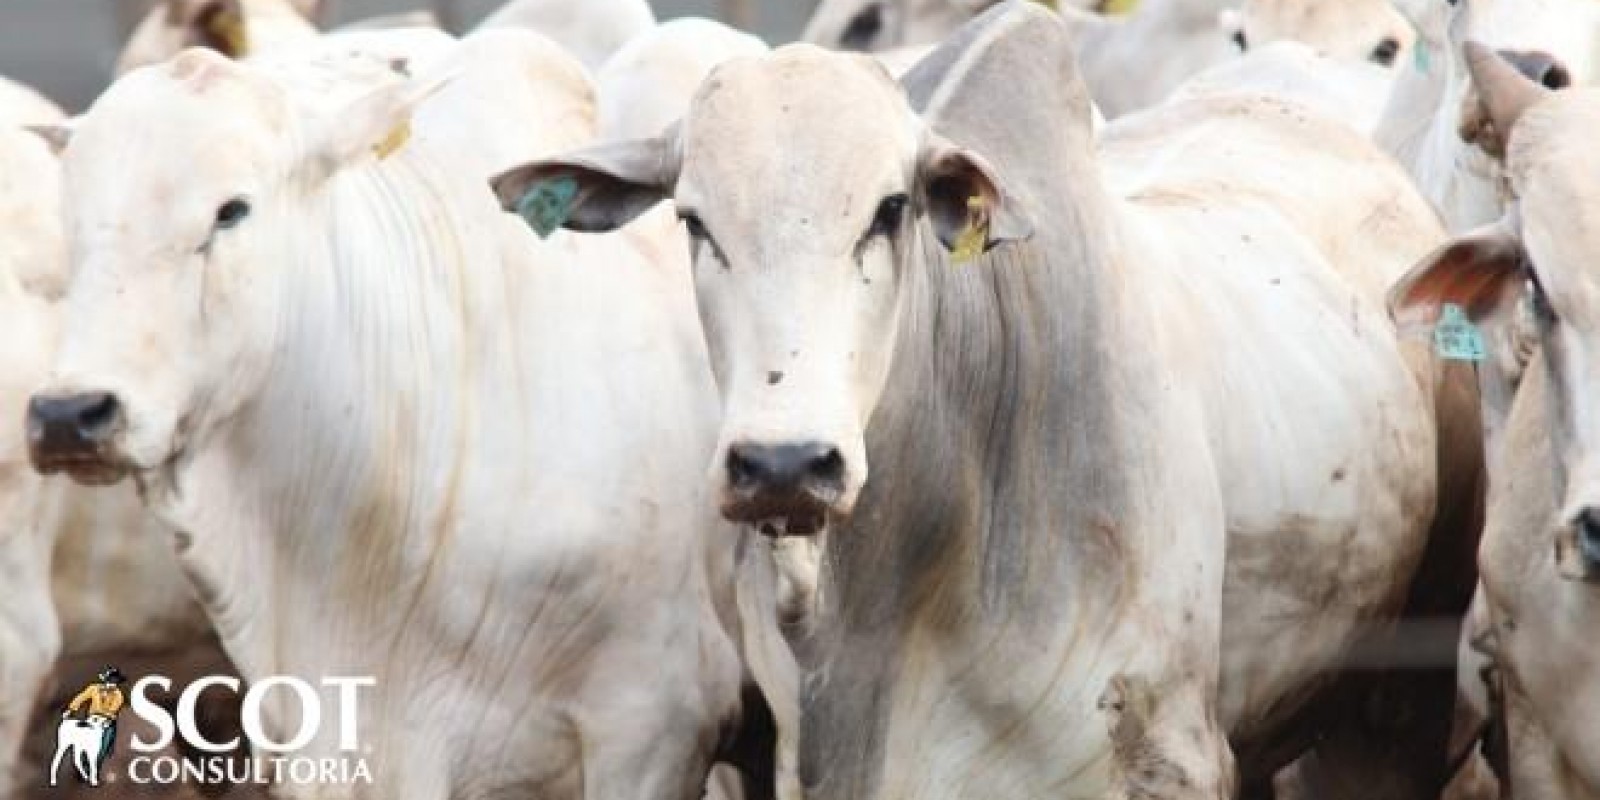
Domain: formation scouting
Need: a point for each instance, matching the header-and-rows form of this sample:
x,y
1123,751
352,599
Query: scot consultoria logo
x,y
86,736
88,729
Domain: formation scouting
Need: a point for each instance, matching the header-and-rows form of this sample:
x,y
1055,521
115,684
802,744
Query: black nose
x,y
71,427
786,467
1588,529
1539,67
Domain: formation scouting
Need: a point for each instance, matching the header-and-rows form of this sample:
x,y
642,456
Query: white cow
x,y
647,84
397,435
1540,558
30,637
592,30
78,741
1026,466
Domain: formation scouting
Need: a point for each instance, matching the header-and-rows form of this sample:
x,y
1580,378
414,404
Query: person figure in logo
x,y
102,699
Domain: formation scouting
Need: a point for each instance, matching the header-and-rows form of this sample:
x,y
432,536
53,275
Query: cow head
x,y
179,184
800,177
1546,247
1352,30
871,26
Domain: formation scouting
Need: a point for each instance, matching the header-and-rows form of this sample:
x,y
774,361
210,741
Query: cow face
x,y
184,185
1547,250
799,177
1353,30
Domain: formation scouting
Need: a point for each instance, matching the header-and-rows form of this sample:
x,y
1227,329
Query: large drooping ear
x,y
965,201
597,189
376,125
1481,273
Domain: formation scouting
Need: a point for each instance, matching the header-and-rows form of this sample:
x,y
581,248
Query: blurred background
x,y
65,48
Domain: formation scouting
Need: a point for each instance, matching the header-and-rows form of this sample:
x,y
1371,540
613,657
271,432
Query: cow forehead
x,y
164,135
825,115
192,98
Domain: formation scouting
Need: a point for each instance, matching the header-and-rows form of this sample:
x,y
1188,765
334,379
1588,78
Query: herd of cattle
x,y
1227,373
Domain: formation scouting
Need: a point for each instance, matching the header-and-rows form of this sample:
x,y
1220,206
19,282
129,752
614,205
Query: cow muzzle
x,y
787,489
74,433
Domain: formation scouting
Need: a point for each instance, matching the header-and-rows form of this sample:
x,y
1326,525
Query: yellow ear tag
x,y
229,28
969,245
1118,6
1053,5
397,138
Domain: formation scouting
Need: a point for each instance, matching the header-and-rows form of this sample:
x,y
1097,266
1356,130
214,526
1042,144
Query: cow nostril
x,y
743,471
98,416
1587,528
828,468
1556,77
1386,51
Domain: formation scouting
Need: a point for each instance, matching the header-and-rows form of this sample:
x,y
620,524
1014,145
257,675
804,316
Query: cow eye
x,y
232,213
692,222
1240,41
889,215
1386,50
1542,309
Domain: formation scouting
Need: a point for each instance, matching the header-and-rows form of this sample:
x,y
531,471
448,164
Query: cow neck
x,y
1006,516
325,492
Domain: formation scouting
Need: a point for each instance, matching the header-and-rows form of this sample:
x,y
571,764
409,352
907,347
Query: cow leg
x,y
55,763
1167,744
80,762
91,760
646,762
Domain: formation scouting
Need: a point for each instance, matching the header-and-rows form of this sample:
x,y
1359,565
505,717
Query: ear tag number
x,y
547,204
1455,338
969,245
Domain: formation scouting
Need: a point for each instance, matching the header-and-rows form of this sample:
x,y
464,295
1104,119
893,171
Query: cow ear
x,y
1481,273
964,200
221,25
312,10
376,125
56,136
598,189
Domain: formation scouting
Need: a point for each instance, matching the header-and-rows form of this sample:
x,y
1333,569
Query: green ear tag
x,y
547,204
1455,337
1419,55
